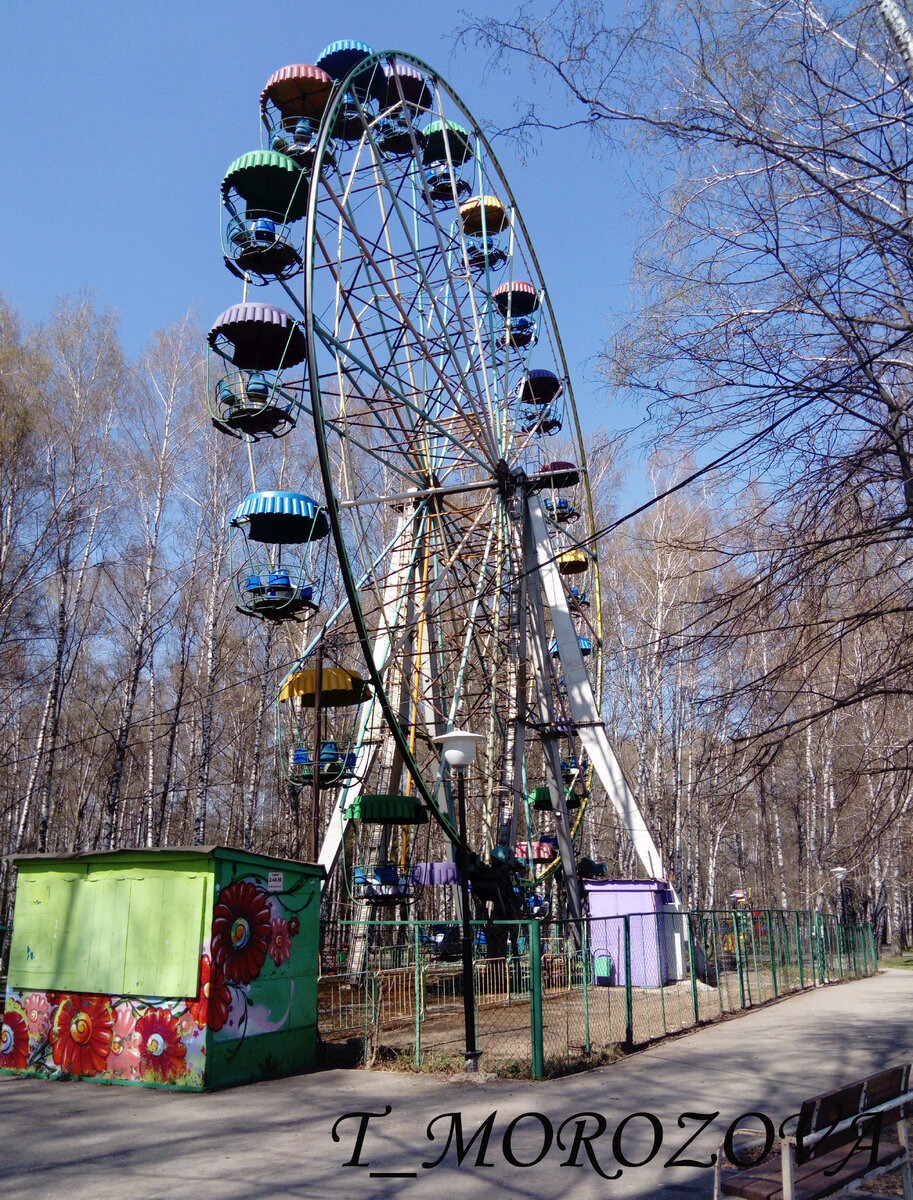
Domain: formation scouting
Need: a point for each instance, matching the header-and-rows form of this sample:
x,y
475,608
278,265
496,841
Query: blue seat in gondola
x,y
360,878
300,757
263,231
257,386
441,185
279,579
253,584
484,251
329,752
519,331
351,760
224,392
387,875
303,131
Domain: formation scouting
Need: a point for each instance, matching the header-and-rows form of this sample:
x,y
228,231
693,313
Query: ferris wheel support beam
x,y
512,781
582,700
371,722
538,645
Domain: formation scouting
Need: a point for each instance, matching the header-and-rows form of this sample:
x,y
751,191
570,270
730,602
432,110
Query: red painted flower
x,y
81,1034
241,931
280,943
213,1003
14,1040
293,926
163,1056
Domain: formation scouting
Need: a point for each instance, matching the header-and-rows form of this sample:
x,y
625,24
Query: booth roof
x,y
138,852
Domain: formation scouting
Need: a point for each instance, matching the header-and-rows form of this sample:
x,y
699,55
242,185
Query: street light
x,y
840,873
459,751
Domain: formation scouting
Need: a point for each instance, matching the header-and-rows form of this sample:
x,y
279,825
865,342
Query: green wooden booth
x,y
185,967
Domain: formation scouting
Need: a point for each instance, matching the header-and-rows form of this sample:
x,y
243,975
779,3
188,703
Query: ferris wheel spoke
x,y
467,384
353,362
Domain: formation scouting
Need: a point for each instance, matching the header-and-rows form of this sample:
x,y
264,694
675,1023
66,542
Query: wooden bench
x,y
840,1137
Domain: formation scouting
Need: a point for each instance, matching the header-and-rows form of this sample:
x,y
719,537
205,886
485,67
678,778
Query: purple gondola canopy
x,y
560,474
435,874
262,337
403,78
540,387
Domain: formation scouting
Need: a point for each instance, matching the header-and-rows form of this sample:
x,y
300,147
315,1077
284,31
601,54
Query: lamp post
x,y
840,873
459,751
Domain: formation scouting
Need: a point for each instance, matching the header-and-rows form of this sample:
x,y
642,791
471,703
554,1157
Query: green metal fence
x,y
6,936
551,998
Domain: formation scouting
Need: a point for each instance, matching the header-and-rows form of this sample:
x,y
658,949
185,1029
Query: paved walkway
x,y
83,1141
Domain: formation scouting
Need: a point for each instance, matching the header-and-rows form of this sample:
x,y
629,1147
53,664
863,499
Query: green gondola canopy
x,y
388,810
270,182
437,142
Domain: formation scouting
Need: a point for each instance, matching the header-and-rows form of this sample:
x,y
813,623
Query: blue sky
x,y
119,122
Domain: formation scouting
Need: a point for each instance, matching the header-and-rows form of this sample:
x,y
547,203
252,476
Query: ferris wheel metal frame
x,y
427,416
537,555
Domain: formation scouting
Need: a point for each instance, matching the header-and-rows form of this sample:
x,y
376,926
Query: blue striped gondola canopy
x,y
339,58
281,518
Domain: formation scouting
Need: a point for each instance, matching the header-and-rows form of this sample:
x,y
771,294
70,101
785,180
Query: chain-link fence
x,y
552,998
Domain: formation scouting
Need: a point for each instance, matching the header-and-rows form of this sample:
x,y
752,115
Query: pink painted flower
x,y
38,1014
280,944
123,1060
186,1025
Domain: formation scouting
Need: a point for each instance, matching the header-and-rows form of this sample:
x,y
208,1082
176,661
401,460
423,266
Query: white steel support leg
x,y
584,709
371,726
512,788
538,645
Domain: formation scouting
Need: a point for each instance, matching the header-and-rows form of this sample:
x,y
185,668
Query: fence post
x,y
842,956
799,951
535,1000
822,961
693,964
629,995
737,934
418,997
771,951
871,931
585,950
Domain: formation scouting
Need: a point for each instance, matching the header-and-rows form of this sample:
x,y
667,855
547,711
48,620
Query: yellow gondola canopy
x,y
338,687
487,211
572,562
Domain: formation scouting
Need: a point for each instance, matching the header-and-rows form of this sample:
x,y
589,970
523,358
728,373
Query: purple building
x,y
650,906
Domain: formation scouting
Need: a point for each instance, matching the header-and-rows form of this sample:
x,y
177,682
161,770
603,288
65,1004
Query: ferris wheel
x,y
417,353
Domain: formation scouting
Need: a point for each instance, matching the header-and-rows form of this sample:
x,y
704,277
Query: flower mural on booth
x,y
81,1034
241,931
14,1040
246,988
213,1002
162,1053
280,945
38,1014
123,1061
